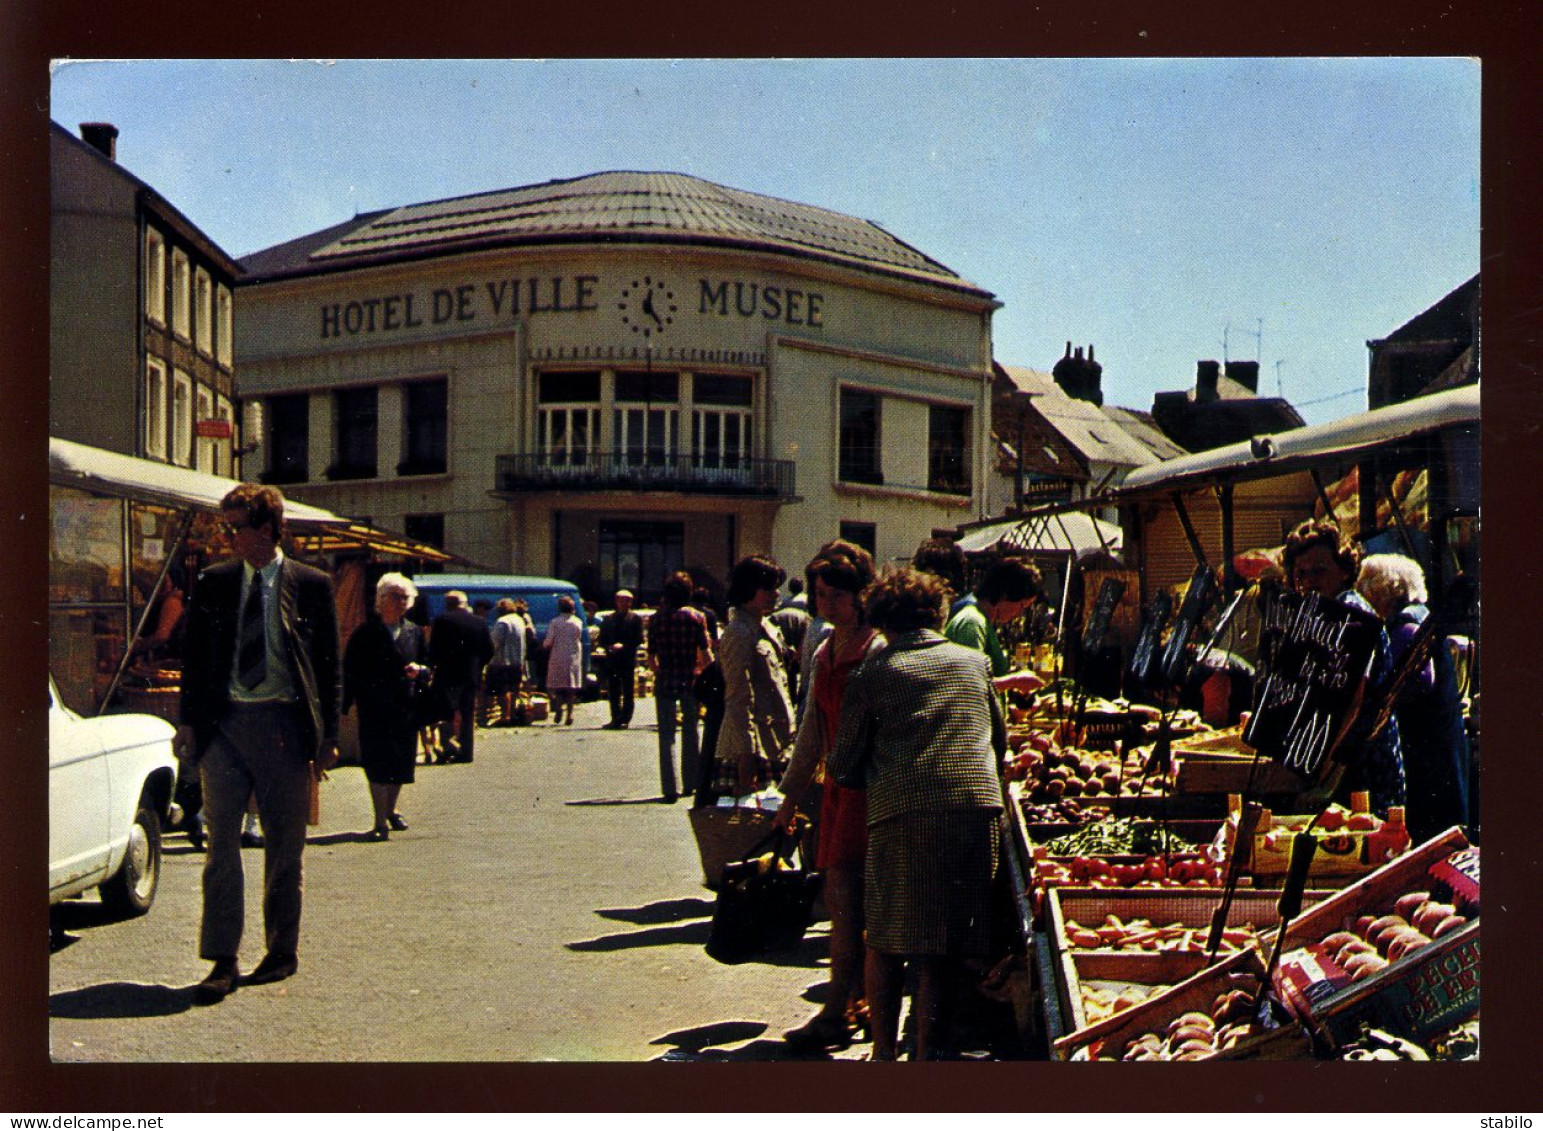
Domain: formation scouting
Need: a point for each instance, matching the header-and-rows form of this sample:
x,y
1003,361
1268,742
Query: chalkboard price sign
x,y
1146,644
1310,680
1197,599
1109,594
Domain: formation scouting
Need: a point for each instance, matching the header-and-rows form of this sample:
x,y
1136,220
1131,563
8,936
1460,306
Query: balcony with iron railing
x,y
646,471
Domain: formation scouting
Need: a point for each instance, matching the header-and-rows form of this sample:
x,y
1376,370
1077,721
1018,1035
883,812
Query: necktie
x,y
252,654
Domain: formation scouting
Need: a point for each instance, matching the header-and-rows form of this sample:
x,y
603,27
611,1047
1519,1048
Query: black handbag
x,y
764,903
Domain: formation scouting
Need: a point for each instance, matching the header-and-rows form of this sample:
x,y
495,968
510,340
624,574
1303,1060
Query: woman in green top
x,y
1004,594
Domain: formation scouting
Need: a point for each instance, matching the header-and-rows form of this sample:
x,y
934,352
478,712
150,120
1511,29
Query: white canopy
x,y
1074,532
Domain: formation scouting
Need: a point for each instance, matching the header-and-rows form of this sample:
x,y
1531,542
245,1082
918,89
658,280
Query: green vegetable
x,y
1118,836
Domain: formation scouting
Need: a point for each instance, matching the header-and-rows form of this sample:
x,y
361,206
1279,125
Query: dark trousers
x,y
463,726
623,682
259,749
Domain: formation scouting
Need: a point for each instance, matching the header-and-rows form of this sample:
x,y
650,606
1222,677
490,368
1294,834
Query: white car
x,y
110,785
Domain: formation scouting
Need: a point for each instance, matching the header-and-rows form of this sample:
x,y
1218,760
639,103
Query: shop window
x,y
429,528
85,547
289,438
155,409
224,326
155,276
204,446
203,312
426,421
180,297
948,449
181,418
860,437
864,534
356,412
640,555
568,419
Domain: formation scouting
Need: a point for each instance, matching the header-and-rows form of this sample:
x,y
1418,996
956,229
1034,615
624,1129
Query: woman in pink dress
x,y
840,572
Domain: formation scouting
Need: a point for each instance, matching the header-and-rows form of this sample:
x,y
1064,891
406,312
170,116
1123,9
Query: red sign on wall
x,y
213,429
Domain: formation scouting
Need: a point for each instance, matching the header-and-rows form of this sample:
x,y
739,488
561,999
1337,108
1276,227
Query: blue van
x,y
540,593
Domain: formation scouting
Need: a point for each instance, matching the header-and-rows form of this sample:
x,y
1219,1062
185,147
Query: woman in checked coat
x,y
922,730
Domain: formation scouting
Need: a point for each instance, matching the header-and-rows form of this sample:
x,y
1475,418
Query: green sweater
x,y
970,627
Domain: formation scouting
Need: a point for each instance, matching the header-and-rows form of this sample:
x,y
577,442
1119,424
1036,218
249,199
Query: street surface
x,y
544,905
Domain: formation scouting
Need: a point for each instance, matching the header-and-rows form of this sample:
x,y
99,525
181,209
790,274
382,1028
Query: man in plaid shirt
x,y
678,649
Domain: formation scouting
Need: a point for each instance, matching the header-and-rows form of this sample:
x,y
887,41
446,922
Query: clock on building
x,y
647,306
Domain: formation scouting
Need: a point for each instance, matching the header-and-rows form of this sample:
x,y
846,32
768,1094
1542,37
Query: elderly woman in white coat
x,y
757,727
564,642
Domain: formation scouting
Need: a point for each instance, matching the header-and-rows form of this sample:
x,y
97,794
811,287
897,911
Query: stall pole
x,y
1224,500
1189,529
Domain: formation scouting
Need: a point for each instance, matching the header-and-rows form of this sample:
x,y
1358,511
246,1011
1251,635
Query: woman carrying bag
x,y
840,573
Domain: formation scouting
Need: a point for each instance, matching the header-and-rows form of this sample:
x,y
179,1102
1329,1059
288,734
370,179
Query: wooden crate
x,y
1083,967
1244,969
1192,908
1420,995
1200,771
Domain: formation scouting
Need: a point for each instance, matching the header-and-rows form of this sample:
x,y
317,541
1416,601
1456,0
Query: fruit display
x,y
1063,812
1413,921
1139,934
1190,869
1057,772
1398,949
1350,842
1192,1035
1099,1002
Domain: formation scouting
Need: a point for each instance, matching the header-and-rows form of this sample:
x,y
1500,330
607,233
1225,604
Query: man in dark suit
x,y
260,705
621,635
460,645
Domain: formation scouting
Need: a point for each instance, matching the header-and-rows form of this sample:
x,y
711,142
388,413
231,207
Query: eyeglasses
x,y
234,528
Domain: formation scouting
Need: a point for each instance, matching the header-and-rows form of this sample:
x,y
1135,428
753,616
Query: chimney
x,y
1079,376
1207,373
102,137
1245,373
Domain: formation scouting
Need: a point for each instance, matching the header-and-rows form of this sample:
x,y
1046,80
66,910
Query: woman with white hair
x,y
384,658
1429,709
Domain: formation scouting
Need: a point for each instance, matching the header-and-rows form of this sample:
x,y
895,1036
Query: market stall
x,y
127,537
1190,891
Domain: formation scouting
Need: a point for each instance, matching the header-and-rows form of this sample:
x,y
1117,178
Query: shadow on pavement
x,y
688,934
340,838
703,1037
121,999
665,911
617,801
72,915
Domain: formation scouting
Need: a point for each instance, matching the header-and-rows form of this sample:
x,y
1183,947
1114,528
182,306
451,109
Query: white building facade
x,y
611,378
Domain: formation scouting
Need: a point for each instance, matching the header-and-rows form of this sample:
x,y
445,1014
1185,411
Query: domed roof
x,y
614,207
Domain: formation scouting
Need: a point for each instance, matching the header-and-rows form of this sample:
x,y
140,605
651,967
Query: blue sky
x,y
1163,210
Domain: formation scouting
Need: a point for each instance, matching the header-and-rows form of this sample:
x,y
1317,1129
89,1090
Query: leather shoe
x,y
397,822
219,982
375,836
273,968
